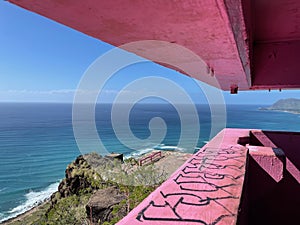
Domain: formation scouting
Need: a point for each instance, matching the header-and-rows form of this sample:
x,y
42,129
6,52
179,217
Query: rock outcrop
x,y
81,175
100,206
97,190
76,178
82,179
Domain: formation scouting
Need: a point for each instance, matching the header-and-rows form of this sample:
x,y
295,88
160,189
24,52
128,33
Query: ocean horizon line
x,y
124,103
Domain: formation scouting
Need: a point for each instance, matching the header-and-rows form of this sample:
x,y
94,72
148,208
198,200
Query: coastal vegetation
x,y
95,190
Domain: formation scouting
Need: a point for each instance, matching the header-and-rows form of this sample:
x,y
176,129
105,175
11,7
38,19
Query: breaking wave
x,y
33,199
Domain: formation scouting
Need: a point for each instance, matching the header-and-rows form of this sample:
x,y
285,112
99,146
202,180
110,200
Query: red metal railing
x,y
150,158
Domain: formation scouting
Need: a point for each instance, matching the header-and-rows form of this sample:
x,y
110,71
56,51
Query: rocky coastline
x,y
99,190
290,105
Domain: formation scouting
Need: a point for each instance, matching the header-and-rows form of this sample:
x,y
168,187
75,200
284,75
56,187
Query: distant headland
x,y
290,105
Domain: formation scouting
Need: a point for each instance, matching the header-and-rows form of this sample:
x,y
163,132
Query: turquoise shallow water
x,y
37,142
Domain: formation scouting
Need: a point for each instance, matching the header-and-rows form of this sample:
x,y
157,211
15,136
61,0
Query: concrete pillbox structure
x,y
241,176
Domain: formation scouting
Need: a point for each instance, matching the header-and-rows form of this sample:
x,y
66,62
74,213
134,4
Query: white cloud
x,y
38,92
55,95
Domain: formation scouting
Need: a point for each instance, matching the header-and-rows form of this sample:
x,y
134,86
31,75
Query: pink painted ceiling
x,y
276,20
276,46
249,44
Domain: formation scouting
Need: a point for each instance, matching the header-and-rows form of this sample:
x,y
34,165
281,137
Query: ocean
x,y
37,142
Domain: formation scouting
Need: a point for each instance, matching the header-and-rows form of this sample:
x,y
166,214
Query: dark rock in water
x,y
100,205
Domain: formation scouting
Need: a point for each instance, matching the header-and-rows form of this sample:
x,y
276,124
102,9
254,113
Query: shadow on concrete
x,y
266,201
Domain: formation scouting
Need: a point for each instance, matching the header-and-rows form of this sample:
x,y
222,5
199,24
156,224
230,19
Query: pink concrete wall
x,y
289,142
205,190
269,201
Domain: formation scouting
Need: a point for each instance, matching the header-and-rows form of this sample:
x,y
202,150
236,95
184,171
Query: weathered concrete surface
x,y
289,142
259,138
204,27
251,44
206,189
276,65
270,201
276,36
269,159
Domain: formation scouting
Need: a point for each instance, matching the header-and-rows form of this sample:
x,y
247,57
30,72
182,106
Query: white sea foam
x,y
169,148
162,147
2,189
138,153
33,199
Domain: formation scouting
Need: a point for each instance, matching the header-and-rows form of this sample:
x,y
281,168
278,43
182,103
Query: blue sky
x,y
43,61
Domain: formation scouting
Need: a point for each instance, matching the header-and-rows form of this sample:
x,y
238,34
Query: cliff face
x,y
97,190
86,195
101,191
287,105
77,178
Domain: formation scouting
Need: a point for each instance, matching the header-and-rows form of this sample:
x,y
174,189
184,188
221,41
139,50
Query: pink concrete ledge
x,y
265,141
205,190
270,160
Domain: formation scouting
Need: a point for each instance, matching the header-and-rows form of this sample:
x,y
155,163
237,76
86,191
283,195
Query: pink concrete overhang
x,y
245,44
